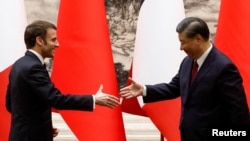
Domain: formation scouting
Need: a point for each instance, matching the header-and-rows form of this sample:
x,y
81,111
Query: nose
x,y
57,44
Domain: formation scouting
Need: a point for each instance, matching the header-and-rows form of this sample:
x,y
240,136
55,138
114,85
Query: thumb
x,y
100,88
132,81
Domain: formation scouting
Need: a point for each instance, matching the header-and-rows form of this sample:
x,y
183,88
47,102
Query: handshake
x,y
103,99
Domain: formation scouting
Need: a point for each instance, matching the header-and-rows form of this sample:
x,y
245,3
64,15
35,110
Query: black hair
x,y
192,26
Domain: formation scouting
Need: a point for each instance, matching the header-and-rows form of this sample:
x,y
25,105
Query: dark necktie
x,y
44,65
194,70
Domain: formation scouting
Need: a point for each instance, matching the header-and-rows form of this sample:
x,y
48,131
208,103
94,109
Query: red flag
x,y
157,58
132,105
13,22
233,36
5,116
82,63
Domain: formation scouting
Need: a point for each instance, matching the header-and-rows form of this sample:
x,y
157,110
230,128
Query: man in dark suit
x,y
214,99
31,94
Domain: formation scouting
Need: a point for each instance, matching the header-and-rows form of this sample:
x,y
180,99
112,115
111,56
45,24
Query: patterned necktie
x,y
194,70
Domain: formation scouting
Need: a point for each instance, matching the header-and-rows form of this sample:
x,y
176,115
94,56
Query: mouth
x,y
186,52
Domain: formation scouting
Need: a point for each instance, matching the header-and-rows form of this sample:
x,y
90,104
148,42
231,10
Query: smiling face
x,y
48,45
193,34
191,46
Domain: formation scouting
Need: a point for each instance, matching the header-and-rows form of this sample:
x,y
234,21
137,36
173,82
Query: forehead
x,y
182,36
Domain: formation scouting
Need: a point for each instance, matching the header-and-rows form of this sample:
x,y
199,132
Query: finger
x,y
126,88
123,93
127,95
113,104
121,99
114,101
112,97
108,104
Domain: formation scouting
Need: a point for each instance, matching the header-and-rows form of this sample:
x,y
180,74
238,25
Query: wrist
x,y
144,90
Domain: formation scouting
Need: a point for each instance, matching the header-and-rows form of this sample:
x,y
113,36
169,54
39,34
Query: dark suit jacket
x,y
215,99
30,96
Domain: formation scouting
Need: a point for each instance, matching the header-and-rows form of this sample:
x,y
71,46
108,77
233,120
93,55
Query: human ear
x,y
198,37
39,41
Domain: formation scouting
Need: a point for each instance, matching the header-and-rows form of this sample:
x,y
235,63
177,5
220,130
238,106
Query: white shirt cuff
x,y
93,101
144,93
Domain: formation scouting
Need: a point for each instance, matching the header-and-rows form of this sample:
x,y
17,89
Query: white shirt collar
x,y
38,55
201,60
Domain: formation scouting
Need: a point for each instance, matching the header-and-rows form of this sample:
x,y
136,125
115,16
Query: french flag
x,y
157,57
12,26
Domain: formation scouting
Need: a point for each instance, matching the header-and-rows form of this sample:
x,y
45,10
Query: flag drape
x,y
132,105
82,63
13,22
157,58
233,36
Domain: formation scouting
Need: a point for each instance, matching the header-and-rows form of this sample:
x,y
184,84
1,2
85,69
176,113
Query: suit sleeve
x,y
233,96
41,85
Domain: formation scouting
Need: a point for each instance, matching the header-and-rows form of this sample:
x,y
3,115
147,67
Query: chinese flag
x,y
132,105
233,36
82,63
156,60
13,22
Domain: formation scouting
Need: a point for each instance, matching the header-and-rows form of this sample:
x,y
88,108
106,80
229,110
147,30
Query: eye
x,y
54,39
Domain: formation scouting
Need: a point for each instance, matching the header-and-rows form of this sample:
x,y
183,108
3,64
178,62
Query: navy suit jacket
x,y
215,99
30,96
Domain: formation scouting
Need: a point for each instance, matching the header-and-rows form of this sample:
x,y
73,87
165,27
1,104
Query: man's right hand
x,y
104,99
133,90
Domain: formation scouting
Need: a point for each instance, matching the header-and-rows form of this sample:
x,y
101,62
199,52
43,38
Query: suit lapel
x,y
204,69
